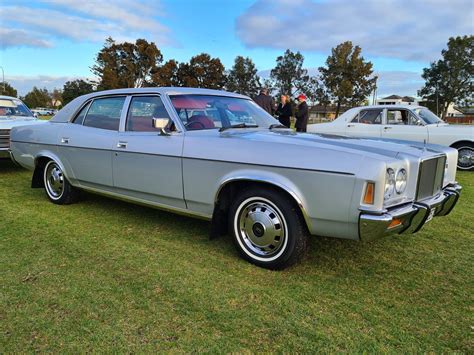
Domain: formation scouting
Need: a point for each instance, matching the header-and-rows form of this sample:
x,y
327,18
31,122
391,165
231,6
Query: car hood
x,y
375,148
453,128
8,122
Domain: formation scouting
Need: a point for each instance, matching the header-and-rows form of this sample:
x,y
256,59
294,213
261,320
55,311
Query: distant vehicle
x,y
13,113
42,111
412,123
219,156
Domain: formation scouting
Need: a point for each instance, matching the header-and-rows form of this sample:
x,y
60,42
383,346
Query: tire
x,y
58,189
267,228
466,156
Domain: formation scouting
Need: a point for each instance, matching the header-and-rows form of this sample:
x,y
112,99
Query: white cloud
x,y
90,20
18,38
404,29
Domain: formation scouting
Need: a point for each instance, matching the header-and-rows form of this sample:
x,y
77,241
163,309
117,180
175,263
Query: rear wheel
x,y
465,156
268,229
57,188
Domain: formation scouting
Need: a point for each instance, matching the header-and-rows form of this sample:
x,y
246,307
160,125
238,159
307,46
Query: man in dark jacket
x,y
284,111
302,114
265,101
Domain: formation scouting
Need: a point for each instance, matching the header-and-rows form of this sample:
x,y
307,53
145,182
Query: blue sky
x,y
45,43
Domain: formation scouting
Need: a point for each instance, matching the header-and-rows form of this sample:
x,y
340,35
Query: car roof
x,y
391,106
5,97
67,111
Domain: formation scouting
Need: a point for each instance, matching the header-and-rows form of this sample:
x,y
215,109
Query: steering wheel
x,y
187,124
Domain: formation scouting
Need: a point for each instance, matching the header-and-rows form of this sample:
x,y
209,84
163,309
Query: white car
x,y
13,113
411,123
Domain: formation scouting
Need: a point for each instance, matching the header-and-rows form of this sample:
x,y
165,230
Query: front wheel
x,y
268,229
58,189
465,156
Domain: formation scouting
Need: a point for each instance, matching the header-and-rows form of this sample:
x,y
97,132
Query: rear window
x,y
105,113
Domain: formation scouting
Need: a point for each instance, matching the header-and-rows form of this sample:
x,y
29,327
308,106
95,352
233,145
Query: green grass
x,y
109,276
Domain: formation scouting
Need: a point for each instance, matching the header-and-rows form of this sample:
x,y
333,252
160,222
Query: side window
x,y
142,111
369,117
105,113
397,117
414,121
80,117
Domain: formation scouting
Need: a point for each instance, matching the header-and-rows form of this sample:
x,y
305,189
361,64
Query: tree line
x,y
346,79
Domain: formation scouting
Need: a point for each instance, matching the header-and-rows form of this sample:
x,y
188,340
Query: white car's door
x,y
85,145
366,123
146,164
403,124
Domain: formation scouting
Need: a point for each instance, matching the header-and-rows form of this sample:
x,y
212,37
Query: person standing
x,y
265,101
284,111
302,114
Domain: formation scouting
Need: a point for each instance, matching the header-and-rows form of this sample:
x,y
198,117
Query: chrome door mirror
x,y
161,124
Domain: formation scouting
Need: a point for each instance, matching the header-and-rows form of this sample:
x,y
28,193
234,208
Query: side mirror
x,y
161,124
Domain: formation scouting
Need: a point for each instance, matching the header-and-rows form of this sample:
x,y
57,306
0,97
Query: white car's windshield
x,y
199,112
14,107
428,116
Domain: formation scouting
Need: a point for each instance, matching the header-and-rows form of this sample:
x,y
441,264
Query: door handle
x,y
122,145
386,128
65,140
350,125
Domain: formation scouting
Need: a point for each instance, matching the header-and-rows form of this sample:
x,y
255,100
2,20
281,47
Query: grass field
x,y
109,276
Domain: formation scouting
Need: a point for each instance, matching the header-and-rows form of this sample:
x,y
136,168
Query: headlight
x,y
389,183
401,181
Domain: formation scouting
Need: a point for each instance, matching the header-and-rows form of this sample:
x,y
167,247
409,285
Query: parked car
x,y
43,111
413,123
267,185
13,113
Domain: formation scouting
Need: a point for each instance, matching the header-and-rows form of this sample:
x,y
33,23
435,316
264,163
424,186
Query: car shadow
x,y
7,166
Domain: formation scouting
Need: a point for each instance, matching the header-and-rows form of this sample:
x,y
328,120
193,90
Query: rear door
x,y
87,142
403,124
366,123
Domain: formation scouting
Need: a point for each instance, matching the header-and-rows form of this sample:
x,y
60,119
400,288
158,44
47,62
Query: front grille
x,y
4,138
430,177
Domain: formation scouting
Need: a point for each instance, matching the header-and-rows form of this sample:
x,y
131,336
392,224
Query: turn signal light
x,y
395,223
369,193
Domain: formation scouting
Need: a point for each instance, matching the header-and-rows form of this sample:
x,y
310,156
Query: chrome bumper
x,y
408,218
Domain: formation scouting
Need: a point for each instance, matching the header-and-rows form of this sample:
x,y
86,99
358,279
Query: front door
x,y
403,124
147,164
367,123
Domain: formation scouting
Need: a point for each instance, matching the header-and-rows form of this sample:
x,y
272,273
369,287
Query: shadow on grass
x,y
324,252
7,166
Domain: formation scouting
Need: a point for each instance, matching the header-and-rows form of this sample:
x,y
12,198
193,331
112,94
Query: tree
x,y
450,79
347,76
75,88
166,75
289,73
202,71
243,78
37,98
129,65
7,89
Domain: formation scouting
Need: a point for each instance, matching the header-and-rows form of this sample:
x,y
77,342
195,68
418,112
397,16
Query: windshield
x,y
428,116
199,112
14,107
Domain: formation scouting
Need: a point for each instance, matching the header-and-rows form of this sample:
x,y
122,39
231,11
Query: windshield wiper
x,y
277,125
238,125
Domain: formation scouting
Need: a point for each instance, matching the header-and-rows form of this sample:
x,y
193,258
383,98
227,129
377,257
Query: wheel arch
x,y
461,142
40,162
230,186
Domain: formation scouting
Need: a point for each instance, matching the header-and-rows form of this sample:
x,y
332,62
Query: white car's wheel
x,y
57,188
267,228
465,156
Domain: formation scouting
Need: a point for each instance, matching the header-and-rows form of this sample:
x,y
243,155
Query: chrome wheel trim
x,y
465,158
261,229
53,180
